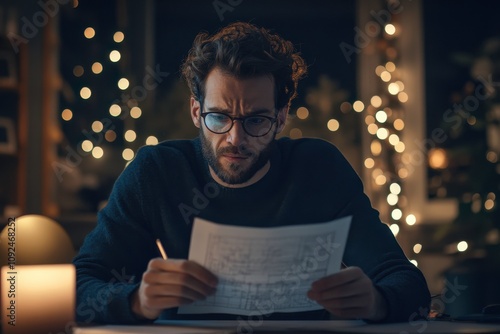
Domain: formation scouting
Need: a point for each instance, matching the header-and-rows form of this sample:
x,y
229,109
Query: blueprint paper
x,y
265,270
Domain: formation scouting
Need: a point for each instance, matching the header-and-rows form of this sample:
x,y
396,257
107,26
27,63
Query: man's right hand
x,y
171,283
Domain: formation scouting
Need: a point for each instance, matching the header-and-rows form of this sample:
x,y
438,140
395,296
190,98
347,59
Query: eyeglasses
x,y
255,126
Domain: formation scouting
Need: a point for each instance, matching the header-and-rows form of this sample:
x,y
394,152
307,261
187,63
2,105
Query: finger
x,y
350,289
163,278
185,266
175,291
160,303
337,304
344,276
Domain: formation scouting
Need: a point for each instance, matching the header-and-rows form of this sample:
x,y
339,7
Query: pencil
x,y
162,250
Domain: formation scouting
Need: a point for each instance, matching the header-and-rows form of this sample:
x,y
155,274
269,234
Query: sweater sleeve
x,y
372,247
111,261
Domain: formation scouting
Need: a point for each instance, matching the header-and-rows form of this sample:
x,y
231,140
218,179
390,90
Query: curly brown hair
x,y
244,50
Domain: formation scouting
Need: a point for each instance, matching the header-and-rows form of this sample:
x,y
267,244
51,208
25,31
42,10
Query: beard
x,y
235,173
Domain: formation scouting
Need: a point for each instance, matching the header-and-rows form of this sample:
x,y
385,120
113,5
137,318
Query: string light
x,y
394,229
151,140
67,114
123,83
376,101
97,152
87,145
333,125
85,93
130,135
89,33
295,133
135,112
358,106
127,154
114,56
97,67
462,246
115,110
118,37
417,248
110,136
97,126
302,113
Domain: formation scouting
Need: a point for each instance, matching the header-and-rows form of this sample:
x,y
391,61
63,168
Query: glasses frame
x,y
241,119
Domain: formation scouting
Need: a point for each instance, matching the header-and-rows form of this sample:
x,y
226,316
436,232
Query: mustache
x,y
241,150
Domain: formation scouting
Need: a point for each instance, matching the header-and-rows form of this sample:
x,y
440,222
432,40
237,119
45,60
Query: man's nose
x,y
237,135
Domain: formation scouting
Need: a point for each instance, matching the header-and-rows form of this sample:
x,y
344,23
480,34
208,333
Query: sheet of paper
x,y
265,270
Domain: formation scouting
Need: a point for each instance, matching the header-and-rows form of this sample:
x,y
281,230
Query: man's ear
x,y
281,119
195,111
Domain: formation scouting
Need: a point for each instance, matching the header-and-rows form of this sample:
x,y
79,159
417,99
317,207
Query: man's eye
x,y
219,118
255,120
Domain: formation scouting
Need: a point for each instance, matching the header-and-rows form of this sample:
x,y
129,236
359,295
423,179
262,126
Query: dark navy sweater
x,y
167,185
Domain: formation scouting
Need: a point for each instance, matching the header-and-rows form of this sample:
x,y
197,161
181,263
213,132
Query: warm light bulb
x,y
118,37
376,101
115,110
89,32
85,93
382,133
393,88
130,135
462,246
302,113
67,114
333,125
295,133
151,140
381,116
438,158
97,152
390,66
358,106
369,163
123,83
127,154
390,29
396,214
395,188
97,67
392,199
87,146
135,112
385,76
110,136
114,56
411,219
394,229
417,248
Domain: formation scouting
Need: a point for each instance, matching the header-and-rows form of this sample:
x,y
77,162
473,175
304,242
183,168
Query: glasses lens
x,y
257,125
217,122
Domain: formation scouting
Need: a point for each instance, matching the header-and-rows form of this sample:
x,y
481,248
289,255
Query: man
x,y
242,81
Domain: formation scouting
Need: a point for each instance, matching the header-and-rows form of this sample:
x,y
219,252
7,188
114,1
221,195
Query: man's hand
x,y
170,283
349,294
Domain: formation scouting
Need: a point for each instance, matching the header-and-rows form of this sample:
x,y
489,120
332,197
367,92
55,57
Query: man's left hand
x,y
349,293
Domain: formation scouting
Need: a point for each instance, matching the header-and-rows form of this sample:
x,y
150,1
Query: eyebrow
x,y
250,113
